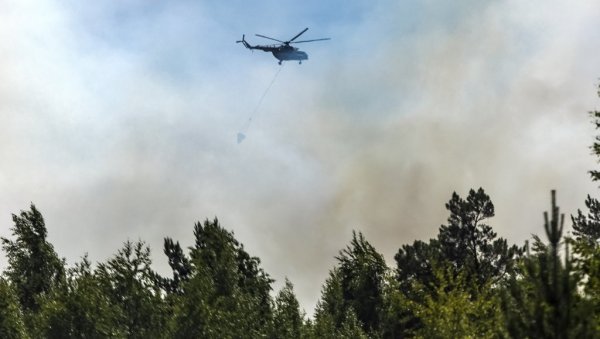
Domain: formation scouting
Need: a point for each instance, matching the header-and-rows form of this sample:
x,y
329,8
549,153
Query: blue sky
x,y
119,121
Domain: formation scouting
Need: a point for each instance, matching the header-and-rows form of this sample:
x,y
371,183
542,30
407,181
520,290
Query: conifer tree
x,y
586,242
596,145
586,228
542,301
415,264
470,244
466,243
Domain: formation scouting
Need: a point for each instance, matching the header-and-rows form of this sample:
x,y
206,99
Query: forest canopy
x,y
466,282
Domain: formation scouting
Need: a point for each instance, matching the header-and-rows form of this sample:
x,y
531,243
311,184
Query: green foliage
x,y
472,246
193,312
79,308
130,284
454,311
325,327
467,244
227,263
586,228
203,313
466,249
465,283
586,248
219,291
596,145
11,317
33,265
586,243
587,263
352,298
543,301
351,327
215,251
287,319
331,309
180,264
414,264
397,316
226,294
361,277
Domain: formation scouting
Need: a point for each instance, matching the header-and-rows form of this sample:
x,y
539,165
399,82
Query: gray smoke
x,y
125,128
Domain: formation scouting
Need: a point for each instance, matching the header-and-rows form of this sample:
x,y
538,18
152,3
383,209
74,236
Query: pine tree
x,y
596,145
586,228
586,242
542,301
415,264
470,244
466,243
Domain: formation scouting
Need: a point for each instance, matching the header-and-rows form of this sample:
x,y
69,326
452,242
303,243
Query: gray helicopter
x,y
282,51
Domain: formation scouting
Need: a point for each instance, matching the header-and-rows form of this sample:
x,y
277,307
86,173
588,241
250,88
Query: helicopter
x,y
282,51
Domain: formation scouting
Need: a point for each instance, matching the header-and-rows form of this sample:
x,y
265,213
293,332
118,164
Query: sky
x,y
118,120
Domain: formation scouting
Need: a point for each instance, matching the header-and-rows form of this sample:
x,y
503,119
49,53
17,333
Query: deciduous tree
x,y
11,317
33,265
130,283
287,318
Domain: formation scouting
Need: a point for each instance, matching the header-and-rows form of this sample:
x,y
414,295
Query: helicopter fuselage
x,y
283,51
289,53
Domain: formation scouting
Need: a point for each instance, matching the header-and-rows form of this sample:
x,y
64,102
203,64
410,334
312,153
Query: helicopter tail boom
x,y
246,44
262,48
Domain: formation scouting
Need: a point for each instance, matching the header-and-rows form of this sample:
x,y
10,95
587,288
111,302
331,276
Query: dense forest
x,y
467,282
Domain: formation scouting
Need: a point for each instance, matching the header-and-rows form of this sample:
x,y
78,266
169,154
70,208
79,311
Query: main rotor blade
x,y
297,42
266,37
297,35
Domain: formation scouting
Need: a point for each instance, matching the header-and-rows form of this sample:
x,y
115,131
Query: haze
x,y
118,119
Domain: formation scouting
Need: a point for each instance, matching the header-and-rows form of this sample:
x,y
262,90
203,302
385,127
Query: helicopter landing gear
x,y
280,62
